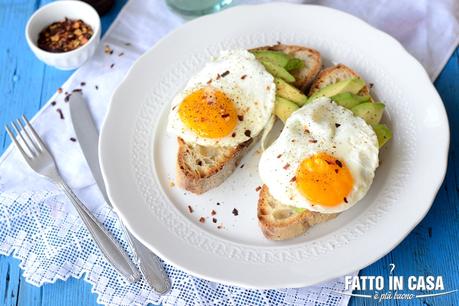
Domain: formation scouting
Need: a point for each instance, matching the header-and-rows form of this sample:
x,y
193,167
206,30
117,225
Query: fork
x,y
42,162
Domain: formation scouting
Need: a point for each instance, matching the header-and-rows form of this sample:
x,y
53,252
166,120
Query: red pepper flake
x,y
53,103
233,135
108,50
286,166
83,84
243,77
209,82
202,219
213,213
112,65
235,212
190,209
306,131
214,220
279,156
225,115
293,179
247,133
59,90
73,139
340,164
77,90
242,166
64,35
336,171
61,114
218,76
240,117
312,140
345,199
224,74
258,188
121,54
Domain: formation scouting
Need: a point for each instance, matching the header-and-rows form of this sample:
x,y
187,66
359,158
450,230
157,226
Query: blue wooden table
x,y
26,84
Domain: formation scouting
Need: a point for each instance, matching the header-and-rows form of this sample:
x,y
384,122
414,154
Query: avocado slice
x,y
383,133
278,71
370,112
276,57
289,92
283,108
349,100
294,64
353,85
299,210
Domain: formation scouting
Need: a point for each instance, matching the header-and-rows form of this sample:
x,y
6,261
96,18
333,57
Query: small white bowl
x,y
56,11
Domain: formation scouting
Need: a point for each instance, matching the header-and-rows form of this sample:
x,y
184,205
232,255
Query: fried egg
x,y
324,159
228,102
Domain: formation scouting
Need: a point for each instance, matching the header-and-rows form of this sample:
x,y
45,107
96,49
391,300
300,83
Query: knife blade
x,y
88,138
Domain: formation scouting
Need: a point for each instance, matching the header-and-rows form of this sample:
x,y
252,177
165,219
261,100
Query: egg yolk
x,y
208,113
324,180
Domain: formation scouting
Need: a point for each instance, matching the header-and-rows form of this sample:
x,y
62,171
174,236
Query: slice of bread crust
x,y
312,63
281,222
333,75
200,168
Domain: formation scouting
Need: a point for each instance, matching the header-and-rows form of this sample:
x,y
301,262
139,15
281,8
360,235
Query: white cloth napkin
x,y
39,226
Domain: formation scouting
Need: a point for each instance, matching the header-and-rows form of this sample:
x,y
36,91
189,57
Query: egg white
x,y
353,142
247,83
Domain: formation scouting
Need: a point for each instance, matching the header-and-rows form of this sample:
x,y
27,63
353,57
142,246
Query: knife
x,y
88,138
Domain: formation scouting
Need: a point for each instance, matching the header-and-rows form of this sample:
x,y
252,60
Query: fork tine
x,y
34,143
18,145
36,137
18,132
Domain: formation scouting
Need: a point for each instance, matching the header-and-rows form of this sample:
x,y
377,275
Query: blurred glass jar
x,y
197,7
102,6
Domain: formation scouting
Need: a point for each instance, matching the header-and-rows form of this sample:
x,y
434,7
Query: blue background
x,y
26,84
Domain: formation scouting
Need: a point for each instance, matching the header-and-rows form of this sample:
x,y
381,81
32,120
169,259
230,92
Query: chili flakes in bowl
x,y
64,35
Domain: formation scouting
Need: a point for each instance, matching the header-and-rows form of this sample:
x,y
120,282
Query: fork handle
x,y
104,240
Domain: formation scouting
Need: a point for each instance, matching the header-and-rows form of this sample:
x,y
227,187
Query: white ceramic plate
x,y
138,157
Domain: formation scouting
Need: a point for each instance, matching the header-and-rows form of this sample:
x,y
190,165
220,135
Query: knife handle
x,y
150,266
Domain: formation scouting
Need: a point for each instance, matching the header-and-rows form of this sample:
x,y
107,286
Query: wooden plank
x,y
26,84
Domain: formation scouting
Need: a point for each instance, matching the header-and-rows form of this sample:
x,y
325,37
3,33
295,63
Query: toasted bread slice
x,y
200,168
281,222
333,75
312,63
